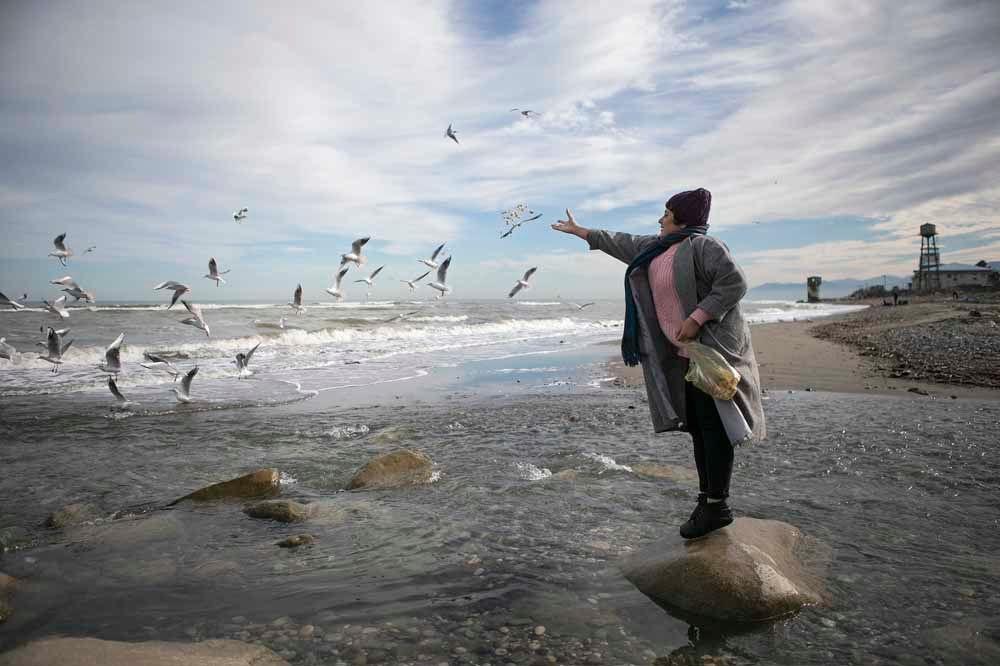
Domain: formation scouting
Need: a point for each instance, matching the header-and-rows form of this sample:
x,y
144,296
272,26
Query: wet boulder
x,y
751,571
6,591
262,483
72,514
284,511
88,651
393,470
297,540
12,538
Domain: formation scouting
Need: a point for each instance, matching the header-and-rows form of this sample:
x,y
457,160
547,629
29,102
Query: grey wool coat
x,y
705,276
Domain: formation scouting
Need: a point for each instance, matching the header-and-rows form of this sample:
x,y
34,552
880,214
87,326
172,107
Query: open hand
x,y
569,225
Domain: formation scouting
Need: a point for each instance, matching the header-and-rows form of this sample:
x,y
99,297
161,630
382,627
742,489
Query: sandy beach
x,y
881,350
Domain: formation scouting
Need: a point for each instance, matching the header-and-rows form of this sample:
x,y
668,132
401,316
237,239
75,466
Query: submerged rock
x,y
297,540
750,571
6,590
12,538
88,651
262,483
392,470
683,475
285,511
72,514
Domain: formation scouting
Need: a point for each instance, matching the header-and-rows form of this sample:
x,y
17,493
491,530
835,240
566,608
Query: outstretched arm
x,y
623,247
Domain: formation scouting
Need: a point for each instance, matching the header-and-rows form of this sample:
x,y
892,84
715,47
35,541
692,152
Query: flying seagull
x,y
334,290
213,272
402,316
296,303
78,293
66,281
196,320
580,307
523,282
112,357
370,280
178,289
527,113
113,387
412,284
355,253
440,284
450,133
4,300
90,249
57,307
62,252
184,392
162,364
55,349
240,215
243,362
432,263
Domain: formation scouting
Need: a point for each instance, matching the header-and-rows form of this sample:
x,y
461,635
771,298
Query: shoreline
x,y
869,351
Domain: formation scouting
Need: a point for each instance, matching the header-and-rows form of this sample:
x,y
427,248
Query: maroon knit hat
x,y
691,208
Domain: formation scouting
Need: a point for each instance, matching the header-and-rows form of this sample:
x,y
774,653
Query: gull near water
x,y
57,307
178,289
161,364
54,349
243,362
412,284
355,256
112,356
196,320
62,253
432,262
213,272
296,303
334,290
523,282
184,392
5,300
440,284
113,387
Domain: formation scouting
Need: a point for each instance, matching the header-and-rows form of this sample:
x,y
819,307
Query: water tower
x,y
928,272
812,288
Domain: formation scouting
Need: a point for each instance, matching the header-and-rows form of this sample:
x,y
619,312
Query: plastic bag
x,y
709,371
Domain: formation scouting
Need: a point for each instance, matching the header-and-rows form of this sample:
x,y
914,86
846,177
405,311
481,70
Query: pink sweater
x,y
669,311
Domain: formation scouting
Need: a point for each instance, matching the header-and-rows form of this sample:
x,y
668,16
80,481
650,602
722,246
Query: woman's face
x,y
667,223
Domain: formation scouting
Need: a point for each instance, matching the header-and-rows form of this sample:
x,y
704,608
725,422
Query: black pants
x,y
713,452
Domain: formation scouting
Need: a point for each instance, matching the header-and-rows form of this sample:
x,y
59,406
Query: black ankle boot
x,y
707,517
702,499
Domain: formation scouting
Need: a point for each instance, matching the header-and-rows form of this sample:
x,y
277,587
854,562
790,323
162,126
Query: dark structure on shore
x,y
812,288
927,277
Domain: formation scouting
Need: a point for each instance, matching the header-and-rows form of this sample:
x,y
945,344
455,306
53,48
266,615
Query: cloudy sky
x,y
827,132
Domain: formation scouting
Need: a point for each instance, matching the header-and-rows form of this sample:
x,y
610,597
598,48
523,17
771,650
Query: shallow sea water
x,y
903,491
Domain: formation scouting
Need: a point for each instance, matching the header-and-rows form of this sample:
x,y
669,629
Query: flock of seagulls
x,y
55,347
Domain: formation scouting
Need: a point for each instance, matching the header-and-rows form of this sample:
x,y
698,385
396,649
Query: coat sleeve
x,y
727,283
623,247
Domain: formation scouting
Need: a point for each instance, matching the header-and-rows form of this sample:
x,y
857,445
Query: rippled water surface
x,y
534,503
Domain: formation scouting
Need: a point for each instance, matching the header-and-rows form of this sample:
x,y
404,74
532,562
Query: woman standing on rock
x,y
683,285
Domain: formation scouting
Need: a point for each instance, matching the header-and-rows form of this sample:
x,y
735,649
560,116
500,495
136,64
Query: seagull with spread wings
x,y
162,364
412,284
54,349
243,362
62,253
296,303
523,282
335,290
196,319
213,272
355,256
5,300
184,392
450,133
440,284
112,357
432,262
57,307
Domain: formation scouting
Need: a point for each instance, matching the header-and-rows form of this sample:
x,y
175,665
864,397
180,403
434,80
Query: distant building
x,y
951,276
